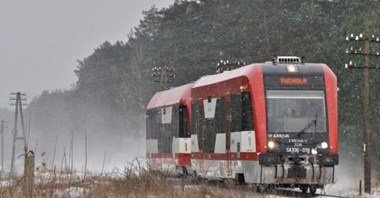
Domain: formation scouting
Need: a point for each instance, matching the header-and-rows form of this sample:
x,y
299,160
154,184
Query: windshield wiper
x,y
315,124
309,125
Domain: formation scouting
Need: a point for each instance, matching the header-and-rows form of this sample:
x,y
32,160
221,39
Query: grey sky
x,y
40,40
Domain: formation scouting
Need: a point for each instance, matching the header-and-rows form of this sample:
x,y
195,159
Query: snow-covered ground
x,y
348,175
73,192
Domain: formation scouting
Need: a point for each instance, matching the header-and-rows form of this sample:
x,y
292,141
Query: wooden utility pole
x,y
2,145
366,53
28,174
367,129
164,76
226,65
19,98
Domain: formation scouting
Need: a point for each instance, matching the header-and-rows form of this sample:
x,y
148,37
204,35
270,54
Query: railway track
x,y
247,190
295,193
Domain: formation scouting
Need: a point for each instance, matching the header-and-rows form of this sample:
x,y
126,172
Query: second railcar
x,y
167,131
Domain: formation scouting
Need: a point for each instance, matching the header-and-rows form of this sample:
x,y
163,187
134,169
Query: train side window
x,y
195,110
220,116
166,134
242,116
247,112
214,125
175,121
166,138
183,122
148,126
201,129
236,112
151,125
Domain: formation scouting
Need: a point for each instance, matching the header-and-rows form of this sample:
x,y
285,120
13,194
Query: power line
x,y
228,65
19,99
364,51
163,75
3,126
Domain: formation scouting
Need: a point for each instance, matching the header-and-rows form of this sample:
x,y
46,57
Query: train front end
x,y
301,124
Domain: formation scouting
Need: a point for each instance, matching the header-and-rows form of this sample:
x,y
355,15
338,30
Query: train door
x,y
201,138
228,118
158,160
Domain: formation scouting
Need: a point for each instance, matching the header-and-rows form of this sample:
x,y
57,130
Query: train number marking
x,y
297,150
292,150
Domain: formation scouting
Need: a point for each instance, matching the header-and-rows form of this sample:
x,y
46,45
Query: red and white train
x,y
272,123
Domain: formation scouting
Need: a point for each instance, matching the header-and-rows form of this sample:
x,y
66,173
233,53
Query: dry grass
x,y
132,181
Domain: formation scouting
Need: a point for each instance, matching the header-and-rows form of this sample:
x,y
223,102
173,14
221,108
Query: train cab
x,y
301,124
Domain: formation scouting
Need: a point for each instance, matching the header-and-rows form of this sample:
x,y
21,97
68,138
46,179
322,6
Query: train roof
x,y
177,95
225,76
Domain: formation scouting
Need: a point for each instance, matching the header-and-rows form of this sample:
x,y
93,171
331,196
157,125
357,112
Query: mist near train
x,y
55,138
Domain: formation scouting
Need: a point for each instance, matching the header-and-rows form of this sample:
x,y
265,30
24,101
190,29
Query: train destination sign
x,y
293,80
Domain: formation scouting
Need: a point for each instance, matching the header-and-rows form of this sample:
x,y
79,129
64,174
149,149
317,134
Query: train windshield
x,y
298,111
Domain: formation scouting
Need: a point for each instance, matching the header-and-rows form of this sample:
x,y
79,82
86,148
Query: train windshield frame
x,y
296,111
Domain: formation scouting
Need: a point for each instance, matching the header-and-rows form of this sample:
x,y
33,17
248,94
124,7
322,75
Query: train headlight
x,y
314,151
324,145
271,145
291,68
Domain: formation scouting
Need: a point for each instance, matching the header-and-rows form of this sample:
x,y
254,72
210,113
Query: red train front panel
x,y
301,126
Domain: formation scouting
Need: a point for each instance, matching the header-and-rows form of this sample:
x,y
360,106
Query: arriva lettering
x,y
280,136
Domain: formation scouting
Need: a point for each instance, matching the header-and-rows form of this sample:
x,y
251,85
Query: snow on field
x,y
5,183
73,192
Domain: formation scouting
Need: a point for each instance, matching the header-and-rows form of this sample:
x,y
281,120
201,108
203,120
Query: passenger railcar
x,y
272,123
167,131
268,123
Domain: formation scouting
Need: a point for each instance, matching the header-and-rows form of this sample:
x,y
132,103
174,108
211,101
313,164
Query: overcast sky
x,y
40,40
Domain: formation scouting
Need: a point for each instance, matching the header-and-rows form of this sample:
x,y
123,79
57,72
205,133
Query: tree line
x,y
114,83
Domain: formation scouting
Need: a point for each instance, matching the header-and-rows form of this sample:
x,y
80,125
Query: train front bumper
x,y
292,175
298,169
